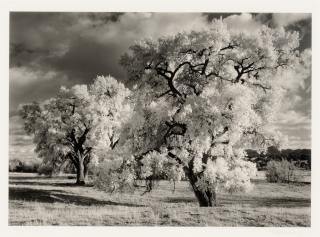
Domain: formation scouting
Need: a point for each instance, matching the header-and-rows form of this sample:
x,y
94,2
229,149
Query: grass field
x,y
36,200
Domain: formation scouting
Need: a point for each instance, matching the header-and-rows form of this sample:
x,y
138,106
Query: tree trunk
x,y
80,173
85,171
206,198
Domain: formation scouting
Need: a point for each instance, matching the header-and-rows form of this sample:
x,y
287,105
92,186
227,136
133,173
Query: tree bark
x,y
207,198
80,173
85,171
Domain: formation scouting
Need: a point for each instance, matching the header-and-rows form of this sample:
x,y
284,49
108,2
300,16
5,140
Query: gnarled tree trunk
x,y
80,155
205,198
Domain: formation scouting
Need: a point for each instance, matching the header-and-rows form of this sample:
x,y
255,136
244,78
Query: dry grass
x,y
35,200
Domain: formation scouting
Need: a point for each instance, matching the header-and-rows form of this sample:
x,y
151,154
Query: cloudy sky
x,y
48,50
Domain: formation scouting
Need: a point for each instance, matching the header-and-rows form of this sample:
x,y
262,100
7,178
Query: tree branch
x,y
164,93
171,155
83,137
261,86
230,46
182,128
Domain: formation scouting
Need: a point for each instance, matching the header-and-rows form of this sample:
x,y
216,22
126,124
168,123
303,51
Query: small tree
x,y
78,124
202,98
280,171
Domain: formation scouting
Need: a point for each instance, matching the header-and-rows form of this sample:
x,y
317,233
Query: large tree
x,y
79,124
202,99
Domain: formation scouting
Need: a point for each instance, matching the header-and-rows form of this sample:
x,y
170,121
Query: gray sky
x,y
48,50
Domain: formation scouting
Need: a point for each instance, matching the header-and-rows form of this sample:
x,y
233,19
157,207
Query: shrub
x,y
110,178
280,171
15,165
45,170
30,167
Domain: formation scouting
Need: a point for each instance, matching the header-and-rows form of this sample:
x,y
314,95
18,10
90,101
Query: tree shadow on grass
x,y
58,196
180,200
37,177
55,181
281,202
54,184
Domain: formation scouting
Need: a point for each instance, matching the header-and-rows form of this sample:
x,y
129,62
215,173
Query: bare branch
x,y
164,93
261,86
230,46
171,155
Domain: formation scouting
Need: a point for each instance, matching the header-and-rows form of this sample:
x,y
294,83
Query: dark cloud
x,y
20,54
56,42
35,37
265,18
103,17
86,59
34,90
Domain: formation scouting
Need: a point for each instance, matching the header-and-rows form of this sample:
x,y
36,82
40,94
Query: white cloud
x,y
292,100
296,77
24,75
284,19
242,23
134,26
296,126
22,152
292,117
21,146
298,144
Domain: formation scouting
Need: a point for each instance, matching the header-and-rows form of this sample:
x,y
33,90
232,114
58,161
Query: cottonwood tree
x,y
79,124
202,99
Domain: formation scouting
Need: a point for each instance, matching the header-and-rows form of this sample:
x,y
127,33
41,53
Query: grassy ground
x,y
35,200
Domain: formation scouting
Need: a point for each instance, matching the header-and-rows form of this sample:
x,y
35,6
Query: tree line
x,y
301,158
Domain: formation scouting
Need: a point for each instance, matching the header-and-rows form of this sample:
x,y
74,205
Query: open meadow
x,y
38,200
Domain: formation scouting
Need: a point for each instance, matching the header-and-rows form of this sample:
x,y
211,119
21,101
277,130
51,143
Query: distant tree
x,y
201,99
78,124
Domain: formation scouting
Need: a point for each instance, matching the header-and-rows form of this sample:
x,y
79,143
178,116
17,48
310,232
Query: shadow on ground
x,y
281,202
54,184
41,177
180,200
46,181
58,196
255,202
